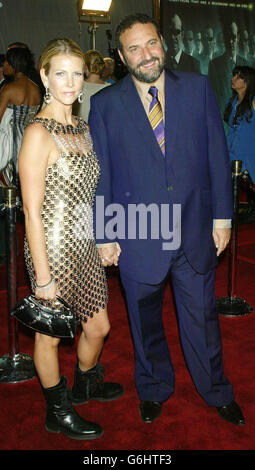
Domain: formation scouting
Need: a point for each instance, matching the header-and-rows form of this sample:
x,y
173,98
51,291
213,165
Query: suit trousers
x,y
199,333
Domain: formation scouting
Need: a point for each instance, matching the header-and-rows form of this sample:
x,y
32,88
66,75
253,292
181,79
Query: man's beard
x,y
149,76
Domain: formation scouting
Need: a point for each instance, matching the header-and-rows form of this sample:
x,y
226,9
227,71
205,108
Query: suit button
x,y
169,188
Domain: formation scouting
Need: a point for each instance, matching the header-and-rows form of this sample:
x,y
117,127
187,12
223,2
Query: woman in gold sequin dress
x,y
59,172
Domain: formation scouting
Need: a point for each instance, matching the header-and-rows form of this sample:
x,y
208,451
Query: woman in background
x,y
240,117
23,96
109,70
94,66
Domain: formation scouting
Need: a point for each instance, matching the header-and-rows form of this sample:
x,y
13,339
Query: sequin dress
x,y
67,216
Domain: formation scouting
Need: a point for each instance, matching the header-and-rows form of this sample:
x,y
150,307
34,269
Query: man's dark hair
x,y
129,21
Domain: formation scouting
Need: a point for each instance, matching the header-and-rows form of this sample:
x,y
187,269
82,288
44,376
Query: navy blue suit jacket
x,y
195,172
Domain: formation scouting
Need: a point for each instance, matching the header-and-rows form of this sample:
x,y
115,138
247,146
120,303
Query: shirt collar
x,y
143,88
178,56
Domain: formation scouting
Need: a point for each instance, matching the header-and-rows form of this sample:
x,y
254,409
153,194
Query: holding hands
x,y
109,254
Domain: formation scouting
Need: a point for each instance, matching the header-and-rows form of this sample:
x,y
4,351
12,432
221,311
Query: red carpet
x,y
186,422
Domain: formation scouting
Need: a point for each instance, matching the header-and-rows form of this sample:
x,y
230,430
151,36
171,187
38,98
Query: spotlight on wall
x,y
93,12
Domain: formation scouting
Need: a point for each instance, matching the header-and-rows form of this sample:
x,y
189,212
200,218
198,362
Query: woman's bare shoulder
x,y
37,134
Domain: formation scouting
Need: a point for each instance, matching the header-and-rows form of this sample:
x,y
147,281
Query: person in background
x,y
33,72
3,81
198,45
220,68
176,58
244,46
189,42
220,44
59,172
2,77
208,49
23,96
108,70
94,66
17,44
240,118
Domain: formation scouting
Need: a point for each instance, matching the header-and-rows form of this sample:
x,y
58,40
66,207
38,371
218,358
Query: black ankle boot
x,y
62,417
90,385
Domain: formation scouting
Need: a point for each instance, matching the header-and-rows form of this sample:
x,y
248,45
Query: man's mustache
x,y
145,62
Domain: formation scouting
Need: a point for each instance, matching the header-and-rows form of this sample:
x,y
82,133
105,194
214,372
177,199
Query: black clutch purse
x,y
52,318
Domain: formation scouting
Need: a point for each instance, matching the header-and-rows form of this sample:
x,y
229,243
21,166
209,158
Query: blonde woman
x,y
59,172
94,66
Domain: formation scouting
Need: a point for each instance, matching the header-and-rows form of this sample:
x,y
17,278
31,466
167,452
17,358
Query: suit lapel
x,y
136,113
172,116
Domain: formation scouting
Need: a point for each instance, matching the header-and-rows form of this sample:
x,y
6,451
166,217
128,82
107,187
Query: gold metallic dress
x,y
67,216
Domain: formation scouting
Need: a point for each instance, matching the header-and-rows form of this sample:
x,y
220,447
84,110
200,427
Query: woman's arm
x,y
33,162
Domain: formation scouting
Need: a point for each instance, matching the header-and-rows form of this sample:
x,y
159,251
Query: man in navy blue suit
x,y
152,178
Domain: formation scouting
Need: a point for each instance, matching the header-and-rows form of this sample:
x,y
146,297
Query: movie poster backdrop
x,y
208,37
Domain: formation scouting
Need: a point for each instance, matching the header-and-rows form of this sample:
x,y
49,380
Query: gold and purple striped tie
x,y
156,118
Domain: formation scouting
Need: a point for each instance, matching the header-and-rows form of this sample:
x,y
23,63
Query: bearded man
x,y
161,145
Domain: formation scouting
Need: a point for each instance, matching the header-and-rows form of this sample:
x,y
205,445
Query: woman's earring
x,y
81,97
48,98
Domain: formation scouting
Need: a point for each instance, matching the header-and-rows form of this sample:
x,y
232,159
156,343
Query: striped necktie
x,y
156,118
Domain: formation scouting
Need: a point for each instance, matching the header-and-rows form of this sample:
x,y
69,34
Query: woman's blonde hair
x,y
94,61
59,46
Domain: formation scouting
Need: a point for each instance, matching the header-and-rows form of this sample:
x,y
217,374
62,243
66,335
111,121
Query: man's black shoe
x,y
150,410
232,413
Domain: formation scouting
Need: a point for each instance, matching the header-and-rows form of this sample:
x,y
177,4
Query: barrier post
x,y
14,367
232,305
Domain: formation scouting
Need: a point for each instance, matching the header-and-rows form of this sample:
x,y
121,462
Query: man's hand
x,y
221,238
109,254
